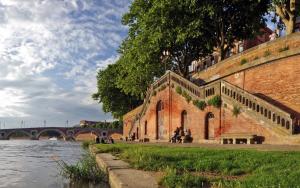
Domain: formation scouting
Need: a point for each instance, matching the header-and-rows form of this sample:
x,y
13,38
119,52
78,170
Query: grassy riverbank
x,y
196,167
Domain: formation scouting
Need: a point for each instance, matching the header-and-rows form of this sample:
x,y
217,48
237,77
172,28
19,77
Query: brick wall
x,y
277,82
173,105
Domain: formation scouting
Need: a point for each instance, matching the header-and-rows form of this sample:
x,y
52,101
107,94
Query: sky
x,y
50,51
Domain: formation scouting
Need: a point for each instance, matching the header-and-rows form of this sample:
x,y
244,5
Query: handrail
x,y
276,112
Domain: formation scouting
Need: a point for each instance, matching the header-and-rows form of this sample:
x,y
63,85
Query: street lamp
x,y
165,58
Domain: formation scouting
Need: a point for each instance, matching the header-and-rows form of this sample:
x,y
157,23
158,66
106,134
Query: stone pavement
x,y
122,176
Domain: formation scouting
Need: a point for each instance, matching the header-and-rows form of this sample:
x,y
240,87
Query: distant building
x,y
86,123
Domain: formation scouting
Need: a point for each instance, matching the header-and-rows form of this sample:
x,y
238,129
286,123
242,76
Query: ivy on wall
x,y
215,101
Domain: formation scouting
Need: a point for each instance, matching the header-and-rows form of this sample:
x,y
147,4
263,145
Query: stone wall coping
x,y
231,65
122,176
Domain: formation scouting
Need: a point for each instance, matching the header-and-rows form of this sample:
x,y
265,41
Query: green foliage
x,y
234,20
236,110
187,97
267,53
283,49
182,166
173,25
86,144
215,101
174,179
113,99
178,90
243,61
86,169
200,104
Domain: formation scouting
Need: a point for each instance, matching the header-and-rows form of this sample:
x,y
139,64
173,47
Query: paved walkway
x,y
122,176
262,147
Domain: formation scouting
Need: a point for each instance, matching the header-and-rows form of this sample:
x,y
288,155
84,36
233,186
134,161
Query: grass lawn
x,y
198,167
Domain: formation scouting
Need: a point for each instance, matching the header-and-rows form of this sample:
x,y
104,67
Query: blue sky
x,y
50,51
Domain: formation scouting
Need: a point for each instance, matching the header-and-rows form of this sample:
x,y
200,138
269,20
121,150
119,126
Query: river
x,y
32,163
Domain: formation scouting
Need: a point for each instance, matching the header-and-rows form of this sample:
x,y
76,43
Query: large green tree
x,y
113,99
287,10
234,20
175,26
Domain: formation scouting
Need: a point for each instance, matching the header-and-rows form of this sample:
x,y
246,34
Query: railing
x,y
192,88
196,92
258,108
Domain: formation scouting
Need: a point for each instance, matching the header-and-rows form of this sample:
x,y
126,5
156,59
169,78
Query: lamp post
x,y
165,58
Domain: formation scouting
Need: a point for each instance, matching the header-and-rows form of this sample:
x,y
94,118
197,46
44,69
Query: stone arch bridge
x,y
68,133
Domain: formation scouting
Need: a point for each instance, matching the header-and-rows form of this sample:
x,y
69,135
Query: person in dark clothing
x,y
111,140
102,141
97,140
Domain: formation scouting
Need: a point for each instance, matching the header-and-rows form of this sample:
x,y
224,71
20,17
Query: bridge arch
x,y
9,134
54,130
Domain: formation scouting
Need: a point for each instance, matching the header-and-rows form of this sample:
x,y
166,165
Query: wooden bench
x,y
238,138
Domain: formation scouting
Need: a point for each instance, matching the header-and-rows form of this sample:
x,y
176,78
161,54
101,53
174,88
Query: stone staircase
x,y
268,114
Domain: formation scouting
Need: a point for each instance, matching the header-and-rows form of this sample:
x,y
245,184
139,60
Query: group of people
x,y
110,140
181,135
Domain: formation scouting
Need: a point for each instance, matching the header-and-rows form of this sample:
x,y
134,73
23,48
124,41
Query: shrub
x,y
236,110
215,101
154,93
86,144
187,97
283,49
200,104
267,53
178,90
86,169
243,61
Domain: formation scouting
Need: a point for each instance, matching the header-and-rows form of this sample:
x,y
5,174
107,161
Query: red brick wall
x,y
278,82
174,104
244,124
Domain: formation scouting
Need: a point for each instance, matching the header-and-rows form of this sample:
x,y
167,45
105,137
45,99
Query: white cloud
x,y
50,51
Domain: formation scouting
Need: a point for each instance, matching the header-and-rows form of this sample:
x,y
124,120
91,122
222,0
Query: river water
x,y
32,164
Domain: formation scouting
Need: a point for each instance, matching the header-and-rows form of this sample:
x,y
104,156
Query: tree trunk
x,y
287,13
290,27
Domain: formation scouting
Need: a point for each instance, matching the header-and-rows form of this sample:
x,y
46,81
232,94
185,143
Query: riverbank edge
x,y
120,174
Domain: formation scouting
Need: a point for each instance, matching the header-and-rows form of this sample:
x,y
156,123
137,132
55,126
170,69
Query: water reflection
x,y
26,163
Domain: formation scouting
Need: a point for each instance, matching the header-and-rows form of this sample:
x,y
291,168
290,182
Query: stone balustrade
x,y
258,108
